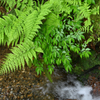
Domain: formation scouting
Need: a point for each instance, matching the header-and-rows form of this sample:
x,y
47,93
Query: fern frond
x,y
25,26
5,26
10,28
52,22
2,35
84,11
73,2
33,21
22,26
8,4
22,4
23,52
16,33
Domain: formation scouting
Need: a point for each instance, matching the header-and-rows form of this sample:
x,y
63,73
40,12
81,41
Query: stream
x,y
68,88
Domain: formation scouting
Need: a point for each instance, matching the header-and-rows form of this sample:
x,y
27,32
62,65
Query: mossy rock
x,y
88,67
87,63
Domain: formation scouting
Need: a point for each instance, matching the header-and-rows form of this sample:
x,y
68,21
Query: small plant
x,y
53,28
90,1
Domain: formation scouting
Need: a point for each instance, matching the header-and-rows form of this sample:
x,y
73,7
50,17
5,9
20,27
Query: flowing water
x,y
73,89
68,89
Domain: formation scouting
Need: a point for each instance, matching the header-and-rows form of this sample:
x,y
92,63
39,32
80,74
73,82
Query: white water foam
x,y
72,89
69,89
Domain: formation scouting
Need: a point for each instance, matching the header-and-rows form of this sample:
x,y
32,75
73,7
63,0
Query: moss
x,y
87,63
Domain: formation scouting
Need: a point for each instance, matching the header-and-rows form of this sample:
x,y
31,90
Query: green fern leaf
x,y
19,55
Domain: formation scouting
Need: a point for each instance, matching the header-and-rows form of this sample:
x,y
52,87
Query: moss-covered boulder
x,y
86,67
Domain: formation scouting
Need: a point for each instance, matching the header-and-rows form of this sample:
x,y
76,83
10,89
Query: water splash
x,y
73,89
69,88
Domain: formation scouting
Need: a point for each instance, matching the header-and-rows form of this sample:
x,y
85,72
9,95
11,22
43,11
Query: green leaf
x,y
91,28
77,49
39,70
58,61
50,69
33,53
98,38
68,67
85,53
55,54
93,1
72,47
38,49
66,59
89,40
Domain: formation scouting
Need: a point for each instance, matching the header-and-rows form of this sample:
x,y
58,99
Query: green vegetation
x,y
85,64
91,66
50,32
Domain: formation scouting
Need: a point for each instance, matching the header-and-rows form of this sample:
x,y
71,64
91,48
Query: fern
x,y
85,12
23,27
19,4
30,23
52,28
23,52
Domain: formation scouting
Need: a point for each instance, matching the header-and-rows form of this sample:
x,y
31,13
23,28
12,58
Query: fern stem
x,y
47,73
